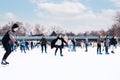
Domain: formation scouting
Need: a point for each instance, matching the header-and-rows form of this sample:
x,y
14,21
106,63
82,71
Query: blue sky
x,y
71,15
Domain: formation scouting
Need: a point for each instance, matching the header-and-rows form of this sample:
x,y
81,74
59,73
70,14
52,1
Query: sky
x,y
71,15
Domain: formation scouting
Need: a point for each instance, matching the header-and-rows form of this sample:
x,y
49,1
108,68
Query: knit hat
x,y
15,26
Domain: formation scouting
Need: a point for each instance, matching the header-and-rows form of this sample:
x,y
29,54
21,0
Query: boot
x,y
4,62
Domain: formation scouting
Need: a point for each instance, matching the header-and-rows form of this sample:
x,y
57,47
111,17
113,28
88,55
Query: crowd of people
x,y
10,44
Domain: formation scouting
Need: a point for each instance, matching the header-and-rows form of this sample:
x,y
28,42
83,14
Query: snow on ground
x,y
79,65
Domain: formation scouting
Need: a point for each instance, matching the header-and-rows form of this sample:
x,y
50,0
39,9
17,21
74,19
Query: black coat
x,y
113,41
8,36
43,41
55,40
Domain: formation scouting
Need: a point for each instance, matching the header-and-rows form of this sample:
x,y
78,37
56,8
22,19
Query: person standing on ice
x,y
70,45
99,45
43,43
58,43
106,44
74,44
23,46
7,38
113,43
86,44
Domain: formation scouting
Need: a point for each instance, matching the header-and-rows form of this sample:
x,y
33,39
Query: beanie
x,y
15,26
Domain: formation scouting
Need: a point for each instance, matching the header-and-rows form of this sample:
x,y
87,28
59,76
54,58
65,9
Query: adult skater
x,y
7,38
58,43
113,43
99,45
70,45
43,43
106,44
23,46
86,44
74,44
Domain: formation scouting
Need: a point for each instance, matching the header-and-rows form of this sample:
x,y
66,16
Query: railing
x,y
91,38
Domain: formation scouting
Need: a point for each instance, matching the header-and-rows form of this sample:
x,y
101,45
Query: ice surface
x,y
79,65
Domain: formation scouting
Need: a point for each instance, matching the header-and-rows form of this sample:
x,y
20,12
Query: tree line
x,y
25,29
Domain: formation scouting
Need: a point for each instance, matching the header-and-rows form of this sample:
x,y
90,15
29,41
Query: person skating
x,y
7,38
99,45
86,44
43,43
23,46
58,43
106,44
74,44
113,42
70,45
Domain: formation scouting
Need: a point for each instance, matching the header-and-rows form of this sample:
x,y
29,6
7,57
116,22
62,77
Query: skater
x,y
113,43
43,43
86,45
23,46
32,45
58,43
7,38
70,45
106,44
27,45
99,45
74,44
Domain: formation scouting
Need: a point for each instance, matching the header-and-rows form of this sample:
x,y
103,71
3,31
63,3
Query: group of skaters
x,y
107,42
10,44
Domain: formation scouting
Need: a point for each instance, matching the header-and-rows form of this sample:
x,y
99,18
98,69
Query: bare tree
x,y
39,29
4,29
94,33
117,17
115,30
102,32
56,29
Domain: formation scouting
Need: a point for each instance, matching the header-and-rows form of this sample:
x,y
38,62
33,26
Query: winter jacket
x,y
107,42
8,37
113,41
23,43
99,41
43,41
53,43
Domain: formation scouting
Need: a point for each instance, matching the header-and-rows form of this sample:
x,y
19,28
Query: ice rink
x,y
79,65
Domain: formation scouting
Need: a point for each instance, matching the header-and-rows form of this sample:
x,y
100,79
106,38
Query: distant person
x,y
74,44
27,45
32,45
58,43
7,38
23,46
106,44
86,44
99,45
43,43
113,43
70,45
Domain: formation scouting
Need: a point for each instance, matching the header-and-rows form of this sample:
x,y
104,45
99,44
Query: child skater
x,y
7,38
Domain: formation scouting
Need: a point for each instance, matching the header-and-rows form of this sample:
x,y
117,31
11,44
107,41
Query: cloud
x,y
116,2
65,7
9,15
74,16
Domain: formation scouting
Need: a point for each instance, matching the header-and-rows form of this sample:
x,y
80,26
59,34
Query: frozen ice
x,y
79,65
